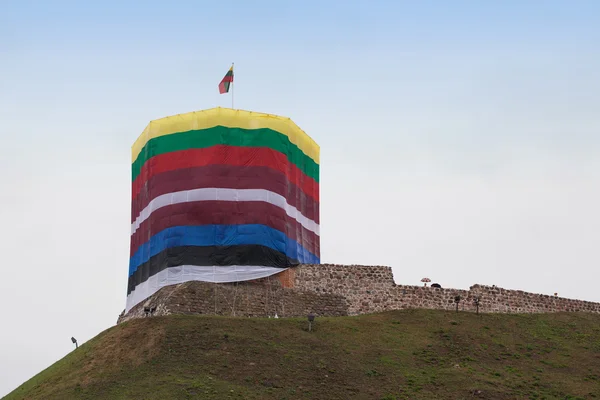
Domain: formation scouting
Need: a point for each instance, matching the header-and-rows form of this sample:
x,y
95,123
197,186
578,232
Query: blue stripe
x,y
220,235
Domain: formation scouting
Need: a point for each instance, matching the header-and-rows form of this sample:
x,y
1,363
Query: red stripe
x,y
225,213
230,155
225,176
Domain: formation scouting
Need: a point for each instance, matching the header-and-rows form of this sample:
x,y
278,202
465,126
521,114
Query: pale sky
x,y
459,140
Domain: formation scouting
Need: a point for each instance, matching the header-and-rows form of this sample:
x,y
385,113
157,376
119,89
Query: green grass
x,y
412,354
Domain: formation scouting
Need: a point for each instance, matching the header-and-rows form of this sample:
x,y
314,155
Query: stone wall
x,y
372,289
260,298
335,290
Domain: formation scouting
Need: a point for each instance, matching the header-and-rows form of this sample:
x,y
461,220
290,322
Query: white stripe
x,y
186,273
206,194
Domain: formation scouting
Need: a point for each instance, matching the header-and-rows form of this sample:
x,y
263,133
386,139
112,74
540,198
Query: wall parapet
x,y
335,290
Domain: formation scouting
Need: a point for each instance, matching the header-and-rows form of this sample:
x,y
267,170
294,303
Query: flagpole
x,y
232,85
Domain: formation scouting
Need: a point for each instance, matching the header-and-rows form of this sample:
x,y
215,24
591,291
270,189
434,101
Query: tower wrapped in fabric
x,y
221,195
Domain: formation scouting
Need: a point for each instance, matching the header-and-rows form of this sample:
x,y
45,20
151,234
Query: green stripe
x,y
220,135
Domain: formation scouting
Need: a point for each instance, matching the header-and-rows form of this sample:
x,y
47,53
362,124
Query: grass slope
x,y
412,354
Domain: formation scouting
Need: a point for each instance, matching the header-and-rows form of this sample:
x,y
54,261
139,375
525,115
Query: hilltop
x,y
410,354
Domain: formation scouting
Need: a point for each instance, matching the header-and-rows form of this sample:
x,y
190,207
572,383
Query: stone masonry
x,y
336,290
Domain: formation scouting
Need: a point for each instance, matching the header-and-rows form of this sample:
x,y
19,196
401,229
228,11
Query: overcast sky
x,y
459,140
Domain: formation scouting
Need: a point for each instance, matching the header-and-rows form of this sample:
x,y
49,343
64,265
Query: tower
x,y
221,195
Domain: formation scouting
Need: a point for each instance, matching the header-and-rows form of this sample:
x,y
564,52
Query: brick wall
x,y
335,290
260,298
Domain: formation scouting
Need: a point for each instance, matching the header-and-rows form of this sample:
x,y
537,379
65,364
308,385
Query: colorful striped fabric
x,y
221,195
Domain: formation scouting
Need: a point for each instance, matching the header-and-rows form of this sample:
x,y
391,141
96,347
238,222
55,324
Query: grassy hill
x,y
413,354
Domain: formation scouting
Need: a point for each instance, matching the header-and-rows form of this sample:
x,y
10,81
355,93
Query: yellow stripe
x,y
230,118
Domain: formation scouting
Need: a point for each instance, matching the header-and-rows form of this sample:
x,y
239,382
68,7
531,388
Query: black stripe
x,y
208,256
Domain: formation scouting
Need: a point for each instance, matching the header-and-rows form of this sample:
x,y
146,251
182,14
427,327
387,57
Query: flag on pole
x,y
226,82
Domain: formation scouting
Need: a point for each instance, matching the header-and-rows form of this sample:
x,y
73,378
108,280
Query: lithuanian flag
x,y
226,82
